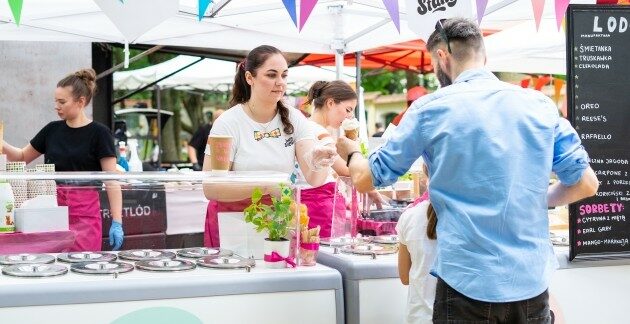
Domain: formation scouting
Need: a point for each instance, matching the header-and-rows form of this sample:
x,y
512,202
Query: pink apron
x,y
211,232
319,202
84,208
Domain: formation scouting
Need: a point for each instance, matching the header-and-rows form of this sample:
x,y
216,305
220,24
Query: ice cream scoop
x,y
351,128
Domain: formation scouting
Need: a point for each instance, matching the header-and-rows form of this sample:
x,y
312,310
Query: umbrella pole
x,y
158,100
358,77
338,64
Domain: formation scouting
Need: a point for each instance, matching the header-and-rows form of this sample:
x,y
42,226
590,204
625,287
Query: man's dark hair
x,y
463,34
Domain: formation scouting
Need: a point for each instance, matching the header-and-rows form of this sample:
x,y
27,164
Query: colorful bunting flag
x,y
481,9
561,8
306,7
538,6
290,6
202,7
16,9
394,14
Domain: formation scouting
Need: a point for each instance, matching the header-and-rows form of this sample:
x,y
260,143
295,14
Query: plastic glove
x,y
374,197
116,235
320,157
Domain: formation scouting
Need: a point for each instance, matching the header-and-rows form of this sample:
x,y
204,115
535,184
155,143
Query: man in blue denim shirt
x,y
490,148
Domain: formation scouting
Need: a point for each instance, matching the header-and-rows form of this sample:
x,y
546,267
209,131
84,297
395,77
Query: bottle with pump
x,y
122,156
135,164
7,208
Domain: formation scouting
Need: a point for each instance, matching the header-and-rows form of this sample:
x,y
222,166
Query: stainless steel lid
x,y
26,258
200,252
72,257
231,262
165,265
385,239
341,241
144,255
101,267
35,270
370,249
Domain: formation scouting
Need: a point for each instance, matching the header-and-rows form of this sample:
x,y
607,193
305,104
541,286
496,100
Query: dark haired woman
x,y
332,102
267,135
76,143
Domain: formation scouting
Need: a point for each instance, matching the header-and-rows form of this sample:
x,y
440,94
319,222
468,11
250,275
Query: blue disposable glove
x,y
116,235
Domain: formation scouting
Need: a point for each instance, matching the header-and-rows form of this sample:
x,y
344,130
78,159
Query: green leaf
x,y
256,195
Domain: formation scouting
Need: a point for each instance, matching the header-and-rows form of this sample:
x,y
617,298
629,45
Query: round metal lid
x,y
26,258
200,252
385,239
101,267
166,265
72,257
340,241
144,255
231,262
369,249
35,270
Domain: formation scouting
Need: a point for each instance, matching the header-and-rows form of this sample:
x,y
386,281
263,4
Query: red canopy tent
x,y
411,56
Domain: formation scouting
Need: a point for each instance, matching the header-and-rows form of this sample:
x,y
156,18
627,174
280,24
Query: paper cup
x,y
220,153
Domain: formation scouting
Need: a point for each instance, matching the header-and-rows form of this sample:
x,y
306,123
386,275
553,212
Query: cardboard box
x,y
48,219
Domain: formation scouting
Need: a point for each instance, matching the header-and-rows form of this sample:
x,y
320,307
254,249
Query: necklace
x,y
264,126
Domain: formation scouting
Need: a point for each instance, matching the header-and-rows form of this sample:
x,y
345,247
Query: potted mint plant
x,y
275,219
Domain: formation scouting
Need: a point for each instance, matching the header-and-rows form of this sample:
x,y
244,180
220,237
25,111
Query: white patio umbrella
x,y
210,74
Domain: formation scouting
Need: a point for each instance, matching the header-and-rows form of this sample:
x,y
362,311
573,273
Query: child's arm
x,y
404,264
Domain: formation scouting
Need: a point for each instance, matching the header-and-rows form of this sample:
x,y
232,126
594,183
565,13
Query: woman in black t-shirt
x,y
77,143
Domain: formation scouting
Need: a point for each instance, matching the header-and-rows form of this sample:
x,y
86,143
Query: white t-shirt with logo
x,y
412,232
258,146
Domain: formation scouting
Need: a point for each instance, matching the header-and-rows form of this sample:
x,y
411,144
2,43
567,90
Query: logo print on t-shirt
x,y
258,135
290,141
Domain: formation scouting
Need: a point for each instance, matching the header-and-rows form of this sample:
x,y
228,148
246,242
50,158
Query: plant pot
x,y
279,247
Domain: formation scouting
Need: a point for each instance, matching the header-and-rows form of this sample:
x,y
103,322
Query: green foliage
x,y
275,218
384,81
405,177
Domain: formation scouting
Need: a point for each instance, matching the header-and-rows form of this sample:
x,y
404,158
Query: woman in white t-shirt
x,y
332,103
416,254
267,135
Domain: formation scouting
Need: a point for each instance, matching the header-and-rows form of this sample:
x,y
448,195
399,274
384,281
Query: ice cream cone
x,y
352,134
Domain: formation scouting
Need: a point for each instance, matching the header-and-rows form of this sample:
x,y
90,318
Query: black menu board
x,y
598,91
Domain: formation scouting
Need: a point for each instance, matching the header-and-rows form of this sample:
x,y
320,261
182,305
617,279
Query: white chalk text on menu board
x,y
598,90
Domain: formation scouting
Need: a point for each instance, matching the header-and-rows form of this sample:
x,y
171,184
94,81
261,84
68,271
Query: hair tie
x,y
243,64
318,92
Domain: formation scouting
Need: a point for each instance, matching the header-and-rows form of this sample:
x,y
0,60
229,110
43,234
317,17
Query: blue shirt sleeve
x,y
569,157
402,149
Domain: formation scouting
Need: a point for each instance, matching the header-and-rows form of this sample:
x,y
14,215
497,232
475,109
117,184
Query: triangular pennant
x,y
203,6
557,88
125,16
561,8
16,9
392,8
481,9
290,6
538,6
306,7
